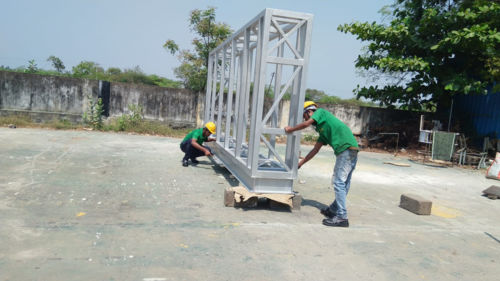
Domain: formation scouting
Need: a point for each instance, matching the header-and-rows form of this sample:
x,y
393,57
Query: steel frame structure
x,y
273,40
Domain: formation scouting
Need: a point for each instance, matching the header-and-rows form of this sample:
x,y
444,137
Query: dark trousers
x,y
190,151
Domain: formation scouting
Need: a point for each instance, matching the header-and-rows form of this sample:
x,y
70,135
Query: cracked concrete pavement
x,y
78,205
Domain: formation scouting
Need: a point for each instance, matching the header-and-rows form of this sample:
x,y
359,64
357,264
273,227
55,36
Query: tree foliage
x,y
315,95
321,97
92,70
32,67
86,69
194,64
57,63
433,49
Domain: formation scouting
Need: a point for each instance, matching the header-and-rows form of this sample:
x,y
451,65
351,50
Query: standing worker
x,y
335,133
192,144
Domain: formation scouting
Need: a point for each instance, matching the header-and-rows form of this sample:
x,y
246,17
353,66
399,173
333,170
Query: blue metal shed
x,y
479,115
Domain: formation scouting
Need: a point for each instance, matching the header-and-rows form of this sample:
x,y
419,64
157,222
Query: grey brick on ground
x,y
415,204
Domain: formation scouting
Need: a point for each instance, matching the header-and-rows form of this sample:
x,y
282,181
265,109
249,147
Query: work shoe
x,y
336,221
194,161
184,162
327,212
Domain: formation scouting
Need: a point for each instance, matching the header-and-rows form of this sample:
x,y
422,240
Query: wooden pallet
x,y
240,197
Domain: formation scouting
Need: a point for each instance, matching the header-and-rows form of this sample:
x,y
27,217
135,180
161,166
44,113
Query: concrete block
x,y
415,204
296,201
492,191
229,198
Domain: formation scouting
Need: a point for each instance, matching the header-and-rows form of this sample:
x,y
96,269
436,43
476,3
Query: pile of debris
x,y
402,134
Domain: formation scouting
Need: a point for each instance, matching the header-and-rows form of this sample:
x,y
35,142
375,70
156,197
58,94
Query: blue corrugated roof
x,y
480,111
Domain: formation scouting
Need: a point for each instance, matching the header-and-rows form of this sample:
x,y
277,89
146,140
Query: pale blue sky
x,y
126,33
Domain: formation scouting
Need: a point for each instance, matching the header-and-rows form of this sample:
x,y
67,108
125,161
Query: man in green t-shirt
x,y
336,134
192,144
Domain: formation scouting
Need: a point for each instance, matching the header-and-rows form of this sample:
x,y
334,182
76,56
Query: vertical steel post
x,y
229,111
208,95
247,110
243,86
237,101
253,147
277,90
214,85
259,90
304,46
221,93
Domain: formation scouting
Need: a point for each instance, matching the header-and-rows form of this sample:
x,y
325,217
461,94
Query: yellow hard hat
x,y
309,103
211,127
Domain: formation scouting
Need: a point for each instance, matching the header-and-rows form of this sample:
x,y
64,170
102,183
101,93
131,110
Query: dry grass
x,y
141,127
23,121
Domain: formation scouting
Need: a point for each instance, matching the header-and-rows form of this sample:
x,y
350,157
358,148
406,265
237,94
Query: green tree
x,y
433,49
32,67
57,63
134,75
315,95
164,82
330,100
194,64
113,71
87,69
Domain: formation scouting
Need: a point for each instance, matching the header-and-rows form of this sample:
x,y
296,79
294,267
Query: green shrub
x,y
131,120
93,115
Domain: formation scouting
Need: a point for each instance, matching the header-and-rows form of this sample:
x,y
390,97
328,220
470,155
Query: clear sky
x,y
126,33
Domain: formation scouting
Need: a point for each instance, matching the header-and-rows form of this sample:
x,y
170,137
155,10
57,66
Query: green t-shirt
x,y
333,132
197,135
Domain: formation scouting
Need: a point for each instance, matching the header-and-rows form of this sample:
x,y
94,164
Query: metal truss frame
x,y
273,40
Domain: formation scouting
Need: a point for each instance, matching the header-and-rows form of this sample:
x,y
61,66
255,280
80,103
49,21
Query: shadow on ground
x,y
313,203
220,170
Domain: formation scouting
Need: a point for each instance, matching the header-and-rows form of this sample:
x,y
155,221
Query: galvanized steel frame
x,y
233,66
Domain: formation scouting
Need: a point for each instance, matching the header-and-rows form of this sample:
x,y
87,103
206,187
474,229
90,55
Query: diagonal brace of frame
x,y
285,38
283,91
275,153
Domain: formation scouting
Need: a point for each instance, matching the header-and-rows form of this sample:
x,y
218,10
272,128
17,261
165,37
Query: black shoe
x,y
327,212
335,221
194,161
184,163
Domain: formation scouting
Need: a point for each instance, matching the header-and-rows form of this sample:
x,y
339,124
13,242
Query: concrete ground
x,y
77,205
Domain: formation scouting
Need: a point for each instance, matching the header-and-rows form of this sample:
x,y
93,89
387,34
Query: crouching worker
x,y
336,134
192,144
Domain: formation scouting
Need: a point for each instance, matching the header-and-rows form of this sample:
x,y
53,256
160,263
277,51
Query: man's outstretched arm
x,y
300,126
311,153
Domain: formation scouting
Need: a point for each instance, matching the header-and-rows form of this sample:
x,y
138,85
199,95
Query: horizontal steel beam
x,y
266,182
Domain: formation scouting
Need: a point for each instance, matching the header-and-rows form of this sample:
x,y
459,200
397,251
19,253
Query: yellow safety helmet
x,y
309,103
211,127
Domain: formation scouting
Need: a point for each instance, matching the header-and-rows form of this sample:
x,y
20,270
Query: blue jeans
x,y
341,181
